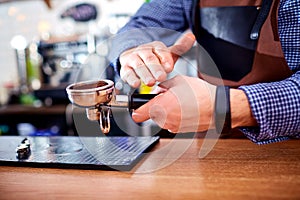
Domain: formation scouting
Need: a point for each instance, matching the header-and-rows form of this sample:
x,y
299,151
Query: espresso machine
x,y
66,60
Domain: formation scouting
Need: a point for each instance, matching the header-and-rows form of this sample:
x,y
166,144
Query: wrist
x,y
241,114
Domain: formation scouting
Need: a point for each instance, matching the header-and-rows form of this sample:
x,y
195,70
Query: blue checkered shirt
x,y
276,105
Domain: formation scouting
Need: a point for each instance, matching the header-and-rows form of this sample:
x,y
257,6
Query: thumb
x,y
182,45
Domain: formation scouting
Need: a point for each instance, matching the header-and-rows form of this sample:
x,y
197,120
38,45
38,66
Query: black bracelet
x,y
222,113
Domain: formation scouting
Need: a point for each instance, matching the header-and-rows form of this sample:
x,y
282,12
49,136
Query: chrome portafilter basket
x,y
98,96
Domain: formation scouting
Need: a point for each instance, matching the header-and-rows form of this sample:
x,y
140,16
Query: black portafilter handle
x,y
137,100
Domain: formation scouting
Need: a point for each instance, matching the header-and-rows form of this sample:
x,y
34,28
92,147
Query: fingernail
x,y
134,84
149,81
135,116
168,66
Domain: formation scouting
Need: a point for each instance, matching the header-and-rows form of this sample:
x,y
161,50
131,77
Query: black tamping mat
x,y
104,153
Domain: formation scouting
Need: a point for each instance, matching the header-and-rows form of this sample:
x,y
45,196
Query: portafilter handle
x,y
137,100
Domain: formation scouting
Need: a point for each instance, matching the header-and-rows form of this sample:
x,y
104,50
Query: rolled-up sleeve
x,y
276,105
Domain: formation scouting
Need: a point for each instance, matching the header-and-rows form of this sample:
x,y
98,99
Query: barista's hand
x,y
186,106
151,62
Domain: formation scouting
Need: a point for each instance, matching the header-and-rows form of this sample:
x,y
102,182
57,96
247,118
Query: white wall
x,y
32,18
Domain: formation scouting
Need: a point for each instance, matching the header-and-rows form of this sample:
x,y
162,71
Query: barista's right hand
x,y
151,62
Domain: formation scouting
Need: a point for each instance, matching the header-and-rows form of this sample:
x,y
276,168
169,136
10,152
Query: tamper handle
x,y
137,100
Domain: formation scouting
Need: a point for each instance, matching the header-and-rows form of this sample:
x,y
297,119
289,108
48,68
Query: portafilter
x,y
98,96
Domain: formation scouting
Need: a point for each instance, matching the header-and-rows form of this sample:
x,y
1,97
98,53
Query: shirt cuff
x,y
271,107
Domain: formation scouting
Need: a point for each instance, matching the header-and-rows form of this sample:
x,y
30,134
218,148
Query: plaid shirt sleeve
x,y
276,106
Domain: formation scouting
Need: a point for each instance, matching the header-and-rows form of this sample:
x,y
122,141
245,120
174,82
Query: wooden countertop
x,y
234,169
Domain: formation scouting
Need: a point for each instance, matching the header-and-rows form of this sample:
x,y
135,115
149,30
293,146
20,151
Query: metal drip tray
x,y
105,153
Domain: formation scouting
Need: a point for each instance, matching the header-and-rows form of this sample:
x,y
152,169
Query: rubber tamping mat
x,y
104,153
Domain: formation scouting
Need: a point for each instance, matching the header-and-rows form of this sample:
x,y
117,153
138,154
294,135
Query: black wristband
x,y
222,110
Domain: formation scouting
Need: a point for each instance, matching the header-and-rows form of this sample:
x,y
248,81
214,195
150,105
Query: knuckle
x,y
137,64
150,58
158,43
127,60
145,47
125,74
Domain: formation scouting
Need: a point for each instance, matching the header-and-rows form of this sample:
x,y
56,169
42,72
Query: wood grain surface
x,y
234,169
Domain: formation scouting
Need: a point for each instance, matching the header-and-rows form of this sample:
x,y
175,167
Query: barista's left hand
x,y
186,106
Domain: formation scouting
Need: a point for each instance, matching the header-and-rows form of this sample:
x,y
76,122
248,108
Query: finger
x,y
142,113
182,45
158,90
158,113
153,64
140,69
163,113
165,56
129,76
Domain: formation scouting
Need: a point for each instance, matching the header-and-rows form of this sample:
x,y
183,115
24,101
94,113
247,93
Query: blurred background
x,y
48,44
44,45
24,22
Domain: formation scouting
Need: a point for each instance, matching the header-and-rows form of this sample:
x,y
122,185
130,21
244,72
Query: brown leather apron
x,y
268,62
